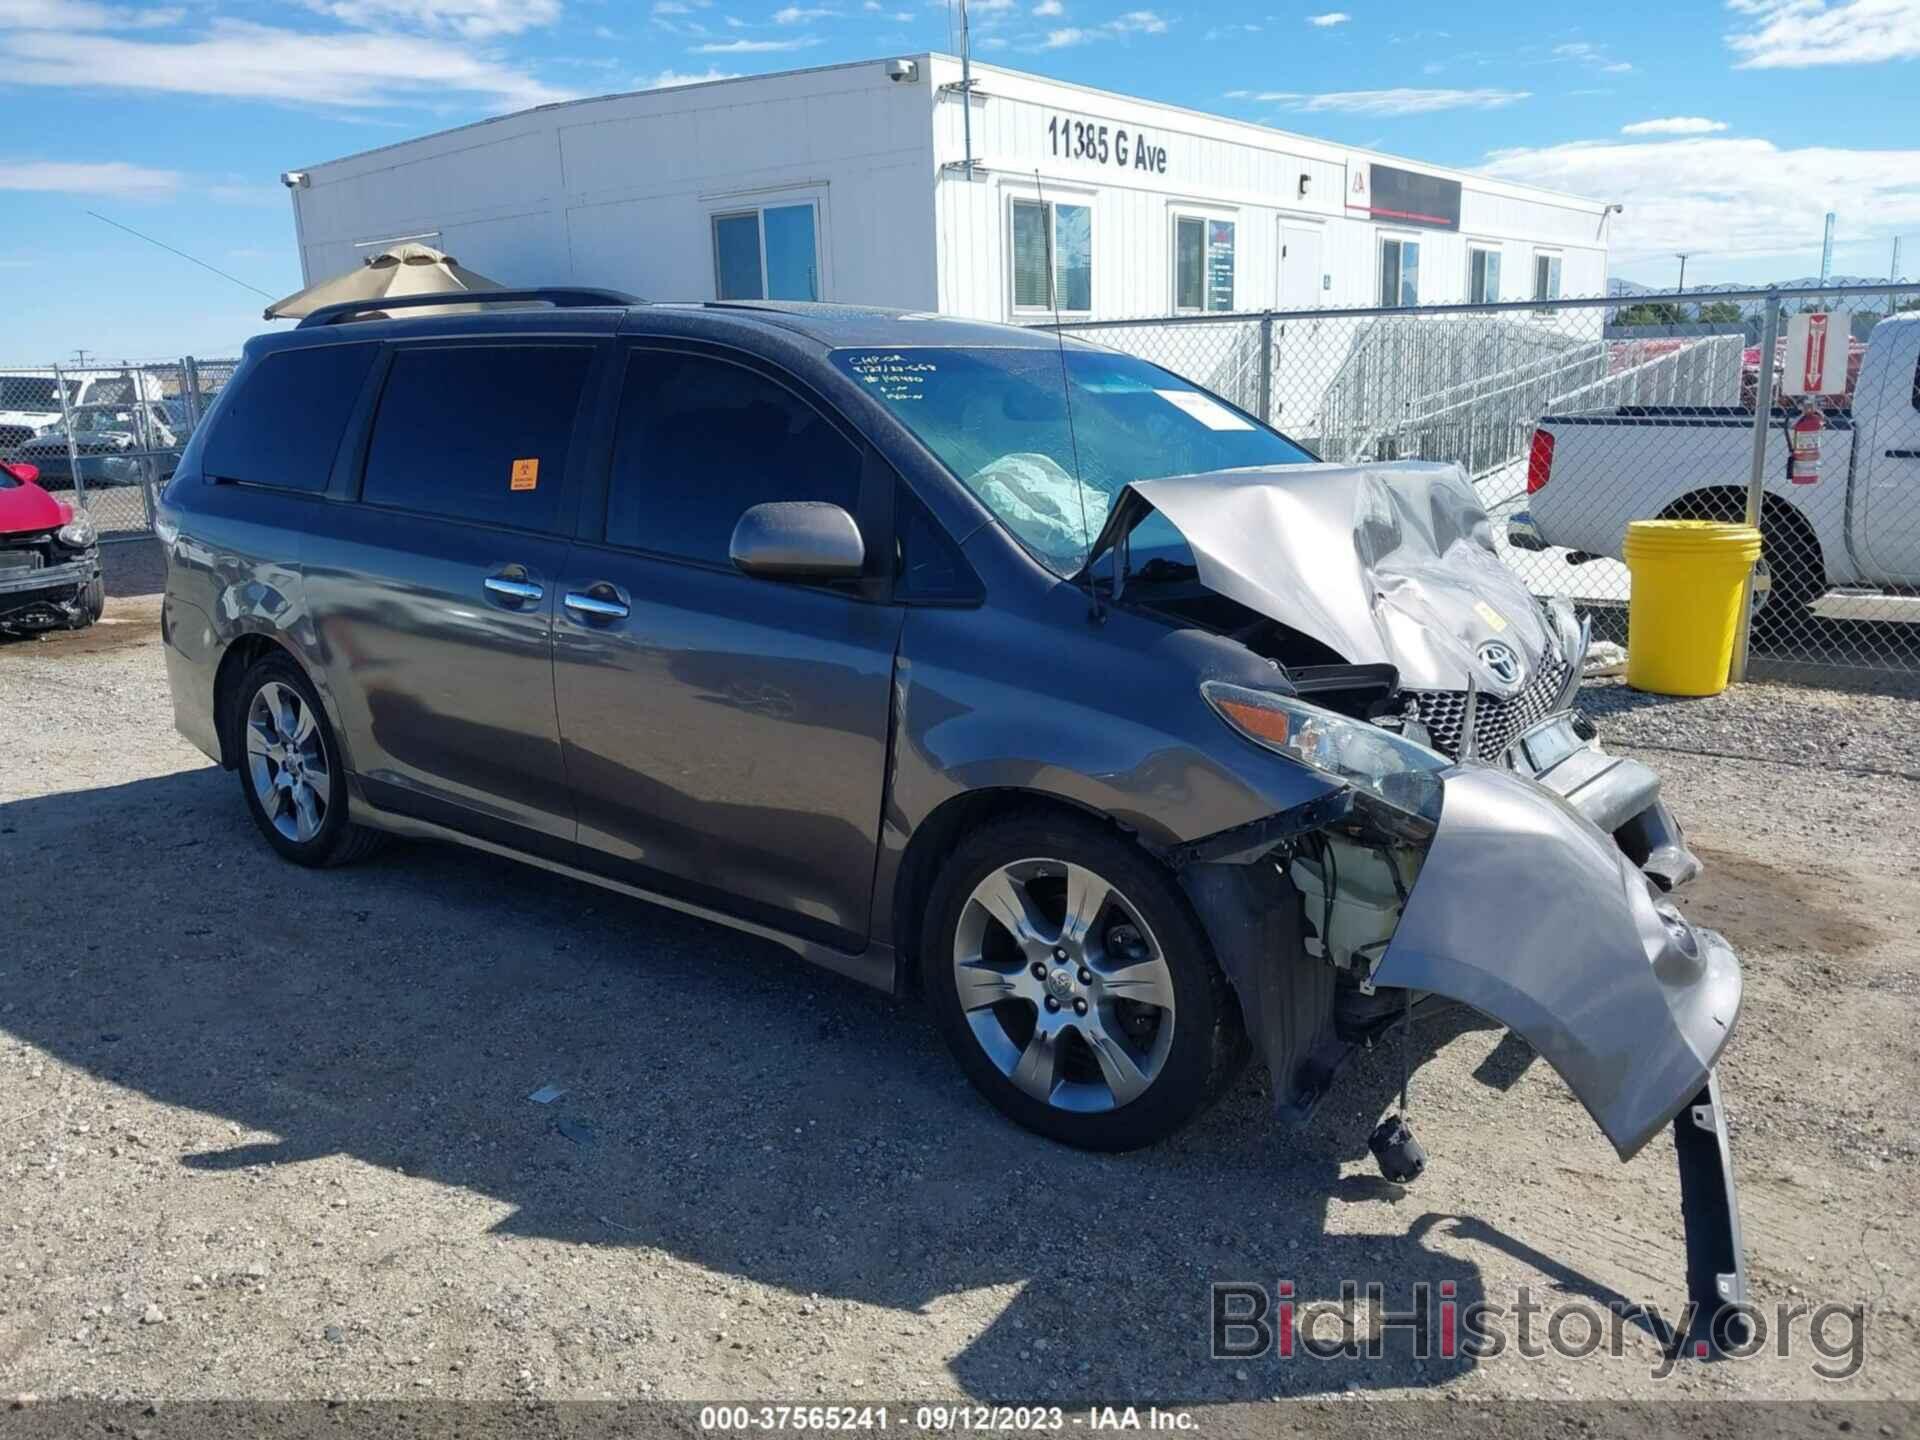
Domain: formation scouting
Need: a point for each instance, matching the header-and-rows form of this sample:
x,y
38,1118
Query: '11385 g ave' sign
x,y
1073,139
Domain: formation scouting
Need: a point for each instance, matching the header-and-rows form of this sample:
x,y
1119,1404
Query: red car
x,y
49,558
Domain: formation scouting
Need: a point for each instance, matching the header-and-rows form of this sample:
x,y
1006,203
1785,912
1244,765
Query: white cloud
x,y
993,42
988,7
754,47
242,60
81,15
1674,125
1331,18
675,77
1586,53
1726,197
1134,22
1791,34
799,15
1402,101
471,19
669,7
1049,8
110,177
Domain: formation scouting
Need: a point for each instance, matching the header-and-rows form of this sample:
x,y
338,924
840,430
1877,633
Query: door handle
x,y
1903,454
518,592
598,602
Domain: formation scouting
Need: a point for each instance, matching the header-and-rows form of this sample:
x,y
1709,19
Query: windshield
x,y
997,418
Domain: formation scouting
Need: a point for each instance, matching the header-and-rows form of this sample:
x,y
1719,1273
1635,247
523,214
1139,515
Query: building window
x,y
1546,278
1483,276
1040,228
1202,263
766,254
1399,272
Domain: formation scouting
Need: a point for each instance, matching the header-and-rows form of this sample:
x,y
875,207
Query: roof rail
x,y
565,297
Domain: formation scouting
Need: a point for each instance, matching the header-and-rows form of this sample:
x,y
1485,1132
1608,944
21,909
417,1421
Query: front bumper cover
x,y
1531,914
1527,911
35,599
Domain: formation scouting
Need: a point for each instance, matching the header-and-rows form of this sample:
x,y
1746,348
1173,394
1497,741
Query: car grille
x,y
14,560
1499,720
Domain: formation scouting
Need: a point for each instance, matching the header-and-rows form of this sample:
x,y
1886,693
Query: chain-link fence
x,y
105,437
1574,417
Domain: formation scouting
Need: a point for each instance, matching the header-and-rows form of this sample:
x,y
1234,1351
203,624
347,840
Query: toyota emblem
x,y
1501,662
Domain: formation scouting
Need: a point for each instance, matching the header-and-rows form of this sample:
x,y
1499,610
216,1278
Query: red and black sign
x,y
1404,197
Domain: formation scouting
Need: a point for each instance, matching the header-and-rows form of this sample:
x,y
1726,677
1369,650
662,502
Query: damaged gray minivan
x,y
956,656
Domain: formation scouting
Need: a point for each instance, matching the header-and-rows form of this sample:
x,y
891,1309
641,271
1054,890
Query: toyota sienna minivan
x,y
955,657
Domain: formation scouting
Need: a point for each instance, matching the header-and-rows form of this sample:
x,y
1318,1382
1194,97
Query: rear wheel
x,y
1074,985
290,769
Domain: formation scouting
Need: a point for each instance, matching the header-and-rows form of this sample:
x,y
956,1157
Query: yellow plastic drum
x,y
1688,576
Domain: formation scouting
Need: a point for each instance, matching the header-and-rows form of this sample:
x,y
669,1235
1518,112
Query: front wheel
x,y
1074,985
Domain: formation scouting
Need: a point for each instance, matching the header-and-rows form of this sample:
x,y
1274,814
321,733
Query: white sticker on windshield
x,y
1204,408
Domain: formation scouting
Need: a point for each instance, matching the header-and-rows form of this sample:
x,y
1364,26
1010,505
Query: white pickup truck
x,y
1858,525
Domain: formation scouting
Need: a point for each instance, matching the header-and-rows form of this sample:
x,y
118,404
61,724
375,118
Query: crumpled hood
x,y
25,506
1389,563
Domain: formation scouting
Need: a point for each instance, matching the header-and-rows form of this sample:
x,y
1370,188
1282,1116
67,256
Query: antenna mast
x,y
966,88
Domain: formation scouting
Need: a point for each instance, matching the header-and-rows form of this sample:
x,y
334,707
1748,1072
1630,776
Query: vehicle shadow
x,y
726,1104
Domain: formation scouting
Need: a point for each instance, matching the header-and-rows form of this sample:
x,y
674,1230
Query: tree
x,y
1650,312
1720,312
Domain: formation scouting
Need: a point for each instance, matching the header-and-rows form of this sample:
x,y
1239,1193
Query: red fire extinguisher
x,y
1803,441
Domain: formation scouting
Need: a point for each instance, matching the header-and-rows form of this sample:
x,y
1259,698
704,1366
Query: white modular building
x,y
892,182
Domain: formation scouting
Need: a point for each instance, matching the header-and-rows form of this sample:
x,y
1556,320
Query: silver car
x,y
953,657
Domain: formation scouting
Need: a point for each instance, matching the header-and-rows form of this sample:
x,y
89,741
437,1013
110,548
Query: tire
x,y
296,793
1796,577
1103,1070
93,603
1792,554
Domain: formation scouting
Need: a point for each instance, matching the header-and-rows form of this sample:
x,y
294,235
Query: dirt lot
x,y
266,1132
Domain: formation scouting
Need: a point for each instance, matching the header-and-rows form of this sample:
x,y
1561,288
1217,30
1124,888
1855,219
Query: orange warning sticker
x,y
526,474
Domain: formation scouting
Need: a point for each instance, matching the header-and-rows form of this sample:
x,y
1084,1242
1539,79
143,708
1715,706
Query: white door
x,y
1886,458
1300,266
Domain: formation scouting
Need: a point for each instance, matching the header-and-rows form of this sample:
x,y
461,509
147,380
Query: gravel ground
x,y
265,1132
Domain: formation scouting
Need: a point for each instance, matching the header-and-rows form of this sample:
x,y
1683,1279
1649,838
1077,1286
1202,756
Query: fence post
x,y
190,391
1266,367
73,440
1757,473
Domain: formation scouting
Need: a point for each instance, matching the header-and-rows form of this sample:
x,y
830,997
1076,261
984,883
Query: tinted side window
x,y
928,563
283,424
477,432
701,440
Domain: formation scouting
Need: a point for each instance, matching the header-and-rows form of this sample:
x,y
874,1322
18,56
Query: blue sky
x,y
1725,129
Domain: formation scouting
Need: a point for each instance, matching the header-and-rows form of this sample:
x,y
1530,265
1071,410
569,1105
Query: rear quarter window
x,y
283,424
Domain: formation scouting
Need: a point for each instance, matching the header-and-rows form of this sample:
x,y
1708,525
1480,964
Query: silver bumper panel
x,y
51,577
1531,914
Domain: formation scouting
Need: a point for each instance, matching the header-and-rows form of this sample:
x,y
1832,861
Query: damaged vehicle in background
x,y
952,656
49,558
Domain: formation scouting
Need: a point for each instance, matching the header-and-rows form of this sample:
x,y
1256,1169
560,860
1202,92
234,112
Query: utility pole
x,y
1893,269
1826,251
80,358
1681,256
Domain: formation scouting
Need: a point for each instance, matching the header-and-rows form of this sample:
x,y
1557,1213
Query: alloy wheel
x,y
1063,985
287,761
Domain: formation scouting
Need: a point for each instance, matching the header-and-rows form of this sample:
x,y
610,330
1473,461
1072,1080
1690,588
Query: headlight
x,y
1399,771
77,533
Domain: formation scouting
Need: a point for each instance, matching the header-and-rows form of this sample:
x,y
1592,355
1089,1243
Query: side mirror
x,y
798,540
